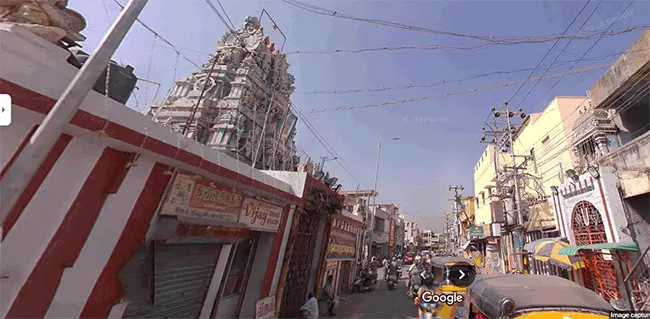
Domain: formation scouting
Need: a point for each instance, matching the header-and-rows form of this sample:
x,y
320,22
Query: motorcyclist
x,y
414,267
427,285
374,264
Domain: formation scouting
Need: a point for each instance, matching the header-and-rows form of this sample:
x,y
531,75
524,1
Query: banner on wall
x,y
199,198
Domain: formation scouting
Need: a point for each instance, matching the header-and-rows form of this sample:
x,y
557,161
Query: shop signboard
x,y
200,198
341,245
265,308
260,215
391,235
476,232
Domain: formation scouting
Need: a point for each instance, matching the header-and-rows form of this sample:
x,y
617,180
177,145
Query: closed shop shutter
x,y
182,275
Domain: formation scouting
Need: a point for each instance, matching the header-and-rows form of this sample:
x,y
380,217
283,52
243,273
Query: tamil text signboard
x,y
260,215
199,198
265,308
341,245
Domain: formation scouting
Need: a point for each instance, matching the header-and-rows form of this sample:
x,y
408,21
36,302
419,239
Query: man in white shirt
x,y
310,308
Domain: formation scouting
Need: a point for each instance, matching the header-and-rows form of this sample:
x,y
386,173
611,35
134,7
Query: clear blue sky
x,y
439,137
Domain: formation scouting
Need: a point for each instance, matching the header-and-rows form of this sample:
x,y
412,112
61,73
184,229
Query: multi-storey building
x,y
411,235
605,199
238,102
488,208
399,234
544,137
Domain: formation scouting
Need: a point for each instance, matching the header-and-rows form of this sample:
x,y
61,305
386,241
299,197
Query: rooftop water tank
x,y
121,82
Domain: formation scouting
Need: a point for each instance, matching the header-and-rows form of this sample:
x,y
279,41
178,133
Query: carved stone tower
x,y
245,110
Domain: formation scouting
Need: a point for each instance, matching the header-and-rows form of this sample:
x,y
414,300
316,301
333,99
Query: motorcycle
x,y
365,281
391,280
415,283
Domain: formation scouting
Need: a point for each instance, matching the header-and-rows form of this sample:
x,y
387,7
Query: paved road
x,y
380,303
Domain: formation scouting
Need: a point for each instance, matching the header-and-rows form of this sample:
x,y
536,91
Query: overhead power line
x,y
488,38
552,48
432,97
319,137
590,48
566,45
471,77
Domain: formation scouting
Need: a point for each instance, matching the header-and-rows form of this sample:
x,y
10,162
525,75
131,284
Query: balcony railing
x,y
592,121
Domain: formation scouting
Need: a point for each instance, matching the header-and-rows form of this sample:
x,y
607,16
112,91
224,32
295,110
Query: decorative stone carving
x,y
238,97
49,19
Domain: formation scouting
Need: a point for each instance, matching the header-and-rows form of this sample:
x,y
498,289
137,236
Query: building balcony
x,y
593,122
632,164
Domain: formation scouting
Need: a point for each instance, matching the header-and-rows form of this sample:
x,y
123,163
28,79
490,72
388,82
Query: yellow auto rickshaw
x,y
531,297
452,275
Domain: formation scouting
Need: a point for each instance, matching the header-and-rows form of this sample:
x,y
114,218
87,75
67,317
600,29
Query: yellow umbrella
x,y
548,251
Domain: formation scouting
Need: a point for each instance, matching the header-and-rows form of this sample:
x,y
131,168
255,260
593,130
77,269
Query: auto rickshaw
x,y
446,272
531,297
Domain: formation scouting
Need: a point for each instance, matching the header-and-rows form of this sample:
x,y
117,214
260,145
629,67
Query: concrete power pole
x,y
458,202
447,219
502,140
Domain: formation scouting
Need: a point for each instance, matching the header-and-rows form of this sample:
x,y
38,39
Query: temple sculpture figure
x,y
242,105
49,19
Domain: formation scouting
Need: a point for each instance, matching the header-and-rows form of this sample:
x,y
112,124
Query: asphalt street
x,y
380,303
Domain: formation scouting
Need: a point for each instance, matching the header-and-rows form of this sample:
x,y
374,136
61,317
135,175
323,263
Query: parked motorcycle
x,y
366,281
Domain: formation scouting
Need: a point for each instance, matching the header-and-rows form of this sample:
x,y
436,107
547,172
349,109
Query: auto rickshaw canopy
x,y
531,292
448,261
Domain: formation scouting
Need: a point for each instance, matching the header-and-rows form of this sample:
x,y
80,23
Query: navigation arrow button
x,y
462,274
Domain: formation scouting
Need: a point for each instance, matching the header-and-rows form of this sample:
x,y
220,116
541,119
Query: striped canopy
x,y
548,251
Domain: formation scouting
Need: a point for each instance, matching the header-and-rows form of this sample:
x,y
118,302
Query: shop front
x,y
304,256
206,253
341,253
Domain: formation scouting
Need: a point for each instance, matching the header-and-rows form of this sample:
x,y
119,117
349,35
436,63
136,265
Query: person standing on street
x,y
328,294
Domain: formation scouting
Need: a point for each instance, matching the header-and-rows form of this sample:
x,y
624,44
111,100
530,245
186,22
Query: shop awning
x,y
532,245
573,250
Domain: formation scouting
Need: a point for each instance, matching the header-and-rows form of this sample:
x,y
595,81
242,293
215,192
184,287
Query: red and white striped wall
x,y
89,205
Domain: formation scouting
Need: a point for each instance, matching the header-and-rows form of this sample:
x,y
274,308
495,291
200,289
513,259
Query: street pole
x,y
29,160
374,203
374,197
324,159
520,219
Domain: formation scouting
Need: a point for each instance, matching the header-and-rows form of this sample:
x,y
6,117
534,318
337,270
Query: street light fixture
x,y
374,197
324,159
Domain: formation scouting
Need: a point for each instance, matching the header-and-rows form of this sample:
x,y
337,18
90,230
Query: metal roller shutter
x,y
182,275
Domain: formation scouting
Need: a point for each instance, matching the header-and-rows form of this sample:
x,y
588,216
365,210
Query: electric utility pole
x,y
458,202
504,140
447,220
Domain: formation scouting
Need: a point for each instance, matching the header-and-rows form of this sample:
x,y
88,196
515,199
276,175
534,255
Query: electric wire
x,y
591,47
628,104
553,47
469,78
488,38
308,124
462,92
144,25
